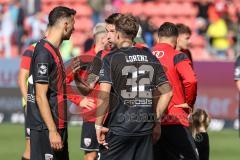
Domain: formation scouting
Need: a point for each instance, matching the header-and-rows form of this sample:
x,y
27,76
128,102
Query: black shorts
x,y
89,141
127,148
175,143
26,124
41,148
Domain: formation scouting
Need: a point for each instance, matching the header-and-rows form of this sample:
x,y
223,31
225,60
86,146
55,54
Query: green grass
x,y
225,145
12,142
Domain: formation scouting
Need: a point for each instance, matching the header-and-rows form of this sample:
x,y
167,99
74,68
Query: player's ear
x,y
118,35
66,26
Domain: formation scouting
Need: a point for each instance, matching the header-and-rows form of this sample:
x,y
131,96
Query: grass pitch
x,y
224,145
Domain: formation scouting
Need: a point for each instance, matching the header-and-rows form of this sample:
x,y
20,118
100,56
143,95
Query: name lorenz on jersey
x,y
133,73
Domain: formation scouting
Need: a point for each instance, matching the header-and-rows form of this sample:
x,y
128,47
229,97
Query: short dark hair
x,y
183,29
168,29
128,25
112,19
58,13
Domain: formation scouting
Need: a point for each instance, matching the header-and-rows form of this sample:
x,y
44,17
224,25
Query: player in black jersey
x,y
134,75
46,99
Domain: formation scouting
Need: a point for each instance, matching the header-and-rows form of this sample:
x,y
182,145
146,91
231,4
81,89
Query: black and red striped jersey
x,y
47,68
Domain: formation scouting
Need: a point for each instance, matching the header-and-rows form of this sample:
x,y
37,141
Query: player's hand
x,y
156,133
55,140
75,65
101,135
87,103
184,105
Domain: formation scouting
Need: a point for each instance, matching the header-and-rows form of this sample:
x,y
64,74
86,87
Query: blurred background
x,y
214,44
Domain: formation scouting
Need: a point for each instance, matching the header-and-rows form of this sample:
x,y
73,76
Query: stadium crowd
x,y
214,24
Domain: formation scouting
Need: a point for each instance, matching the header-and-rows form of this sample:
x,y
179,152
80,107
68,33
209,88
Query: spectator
x,y
36,25
19,30
202,16
217,32
232,21
97,6
1,42
147,30
32,6
7,27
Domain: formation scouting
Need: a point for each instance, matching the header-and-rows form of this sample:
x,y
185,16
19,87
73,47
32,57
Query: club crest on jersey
x,y
87,142
158,54
42,69
48,156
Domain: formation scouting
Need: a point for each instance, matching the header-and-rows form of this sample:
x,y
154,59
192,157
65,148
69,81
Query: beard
x,y
67,36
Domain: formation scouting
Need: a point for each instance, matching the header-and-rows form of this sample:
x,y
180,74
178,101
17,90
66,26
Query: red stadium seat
x,y
135,8
152,9
78,38
83,10
83,24
5,1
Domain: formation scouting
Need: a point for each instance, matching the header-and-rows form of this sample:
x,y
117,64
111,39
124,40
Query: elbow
x,y
192,81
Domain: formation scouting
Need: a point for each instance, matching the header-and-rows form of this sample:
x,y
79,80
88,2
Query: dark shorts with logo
x,y
89,141
41,148
127,147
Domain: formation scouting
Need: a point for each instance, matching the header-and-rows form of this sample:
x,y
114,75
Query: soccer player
x,y
22,81
184,34
97,61
133,74
176,141
46,99
88,137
